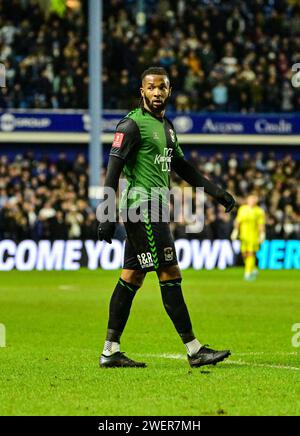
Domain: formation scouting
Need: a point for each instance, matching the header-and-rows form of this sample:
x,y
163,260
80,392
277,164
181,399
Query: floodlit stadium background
x,y
235,106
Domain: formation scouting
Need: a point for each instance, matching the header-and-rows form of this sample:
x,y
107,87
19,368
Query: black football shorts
x,y
149,244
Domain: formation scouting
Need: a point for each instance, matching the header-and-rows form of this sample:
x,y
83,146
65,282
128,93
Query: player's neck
x,y
154,114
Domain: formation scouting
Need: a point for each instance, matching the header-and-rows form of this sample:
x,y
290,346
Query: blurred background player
x,y
249,227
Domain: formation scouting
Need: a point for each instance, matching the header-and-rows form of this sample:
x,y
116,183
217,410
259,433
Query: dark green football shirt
x,y
147,144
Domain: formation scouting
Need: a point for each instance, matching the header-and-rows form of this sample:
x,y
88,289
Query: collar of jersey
x,y
161,119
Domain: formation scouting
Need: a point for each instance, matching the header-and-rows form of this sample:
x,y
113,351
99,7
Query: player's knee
x,y
133,276
169,272
248,254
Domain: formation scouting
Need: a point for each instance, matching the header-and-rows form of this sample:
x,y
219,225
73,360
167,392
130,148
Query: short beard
x,y
156,110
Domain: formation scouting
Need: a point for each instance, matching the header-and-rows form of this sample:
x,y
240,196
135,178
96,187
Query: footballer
x,y
250,229
140,137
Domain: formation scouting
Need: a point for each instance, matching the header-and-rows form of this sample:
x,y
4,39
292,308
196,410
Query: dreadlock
x,y
157,71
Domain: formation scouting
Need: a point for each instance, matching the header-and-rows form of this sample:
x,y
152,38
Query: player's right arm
x,y
127,137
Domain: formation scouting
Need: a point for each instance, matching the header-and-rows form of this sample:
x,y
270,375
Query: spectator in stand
x,y
236,59
41,198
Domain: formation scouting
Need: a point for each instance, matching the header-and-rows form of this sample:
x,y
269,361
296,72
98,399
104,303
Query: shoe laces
x,y
127,358
207,349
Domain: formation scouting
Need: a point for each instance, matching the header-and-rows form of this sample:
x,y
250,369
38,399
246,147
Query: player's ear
x,y
142,92
170,91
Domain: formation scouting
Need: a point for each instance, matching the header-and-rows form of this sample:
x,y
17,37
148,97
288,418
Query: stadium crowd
x,y
221,55
45,199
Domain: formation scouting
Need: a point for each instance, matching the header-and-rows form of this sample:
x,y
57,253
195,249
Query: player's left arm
x,y
188,173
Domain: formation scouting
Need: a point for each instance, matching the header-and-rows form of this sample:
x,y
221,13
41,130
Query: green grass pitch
x,y
55,328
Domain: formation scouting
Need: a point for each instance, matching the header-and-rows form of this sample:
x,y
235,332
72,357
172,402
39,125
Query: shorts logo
x,y
145,260
118,139
168,251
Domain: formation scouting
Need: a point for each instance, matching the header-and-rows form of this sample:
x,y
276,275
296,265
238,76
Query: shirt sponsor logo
x,y
165,159
118,139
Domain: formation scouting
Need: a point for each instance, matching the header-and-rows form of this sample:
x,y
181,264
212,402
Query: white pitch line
x,y
231,362
66,287
269,353
262,365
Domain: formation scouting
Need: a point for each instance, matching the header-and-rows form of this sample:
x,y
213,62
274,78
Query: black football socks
x,y
119,309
